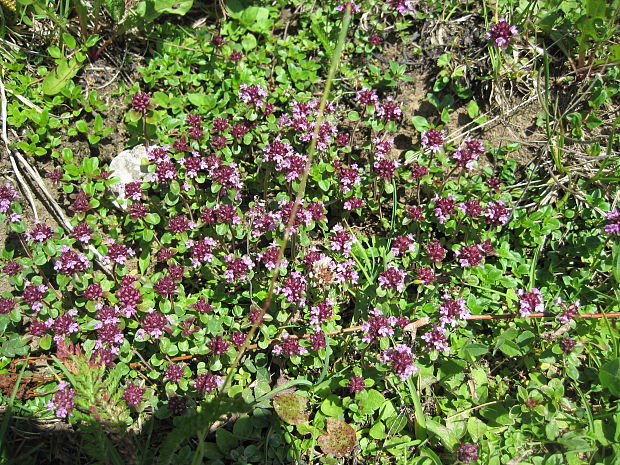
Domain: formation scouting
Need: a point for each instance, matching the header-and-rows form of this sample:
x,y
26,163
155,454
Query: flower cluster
x,y
502,33
401,361
530,301
63,402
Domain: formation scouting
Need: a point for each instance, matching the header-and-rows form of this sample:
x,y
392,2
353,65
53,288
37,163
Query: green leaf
x,y
445,435
175,7
497,413
55,81
472,109
609,375
116,8
249,42
473,351
420,123
45,342
220,407
377,431
332,407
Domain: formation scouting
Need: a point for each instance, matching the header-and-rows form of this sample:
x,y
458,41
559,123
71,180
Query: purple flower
x,y
353,203
367,97
402,6
155,324
467,452
349,177
206,383
6,305
218,345
202,251
118,253
321,312
433,140
174,372
270,255
501,33
567,344
289,346
375,39
468,153
425,275
496,213
435,252
469,256
530,302
452,310
202,306
63,325
165,286
254,95
12,268
354,7
235,56
415,213
392,278
63,402
177,405
471,208
133,395
378,326
356,384
138,211
237,269
401,361
133,190
317,340
341,241
71,262
568,311
436,339
613,222
444,207
238,338
7,195
403,244
82,232
140,101
294,289
40,233
33,295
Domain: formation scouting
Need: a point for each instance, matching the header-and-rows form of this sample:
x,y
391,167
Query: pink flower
x,y
433,140
530,302
401,361
294,289
378,326
63,402
452,310
444,207
133,395
207,383
502,33
436,339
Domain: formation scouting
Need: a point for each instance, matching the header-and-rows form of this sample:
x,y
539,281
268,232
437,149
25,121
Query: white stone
x,y
129,166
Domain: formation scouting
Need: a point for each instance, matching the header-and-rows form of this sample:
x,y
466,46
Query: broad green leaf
x,y
59,77
175,7
609,375
116,8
